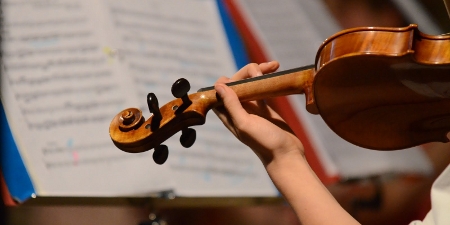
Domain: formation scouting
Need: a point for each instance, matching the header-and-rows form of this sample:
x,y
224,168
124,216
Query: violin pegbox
x,y
131,133
179,90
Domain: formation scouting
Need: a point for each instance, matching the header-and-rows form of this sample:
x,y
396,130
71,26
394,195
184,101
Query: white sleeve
x,y
440,202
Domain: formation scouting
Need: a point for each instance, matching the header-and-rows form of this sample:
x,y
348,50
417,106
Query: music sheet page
x,y
61,87
162,41
71,66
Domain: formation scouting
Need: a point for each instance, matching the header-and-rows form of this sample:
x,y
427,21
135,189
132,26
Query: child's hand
x,y
255,123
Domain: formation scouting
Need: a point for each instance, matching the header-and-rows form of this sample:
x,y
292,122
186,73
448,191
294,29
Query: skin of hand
x,y
265,132
274,138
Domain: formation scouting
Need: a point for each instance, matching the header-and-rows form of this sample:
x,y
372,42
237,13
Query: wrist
x,y
286,163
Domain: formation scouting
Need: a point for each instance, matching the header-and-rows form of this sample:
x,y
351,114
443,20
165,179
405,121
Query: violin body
x,y
378,88
389,89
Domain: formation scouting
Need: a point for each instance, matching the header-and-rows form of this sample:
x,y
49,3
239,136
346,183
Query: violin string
x,y
262,77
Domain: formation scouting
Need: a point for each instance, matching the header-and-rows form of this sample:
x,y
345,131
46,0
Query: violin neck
x,y
289,82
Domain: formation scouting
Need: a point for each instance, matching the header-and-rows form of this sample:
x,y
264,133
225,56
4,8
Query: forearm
x,y
309,198
263,130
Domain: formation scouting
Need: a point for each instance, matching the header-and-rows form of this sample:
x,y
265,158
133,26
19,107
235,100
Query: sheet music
x,y
71,66
301,26
61,88
163,41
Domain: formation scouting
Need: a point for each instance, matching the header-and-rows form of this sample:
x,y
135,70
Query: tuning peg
x,y
180,89
153,106
187,137
160,154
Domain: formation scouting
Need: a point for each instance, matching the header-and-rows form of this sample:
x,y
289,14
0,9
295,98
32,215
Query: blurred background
x,y
389,201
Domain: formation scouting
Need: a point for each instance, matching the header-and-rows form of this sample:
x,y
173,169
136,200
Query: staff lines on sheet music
x,y
162,30
96,89
216,170
155,16
80,148
189,45
58,77
43,23
149,72
65,121
75,106
209,156
76,49
54,63
172,56
45,4
89,161
53,35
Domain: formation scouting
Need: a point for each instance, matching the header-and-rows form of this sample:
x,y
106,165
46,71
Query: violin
x,y
377,88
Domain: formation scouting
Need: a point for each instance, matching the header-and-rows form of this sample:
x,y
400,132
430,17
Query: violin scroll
x,y
130,118
131,133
